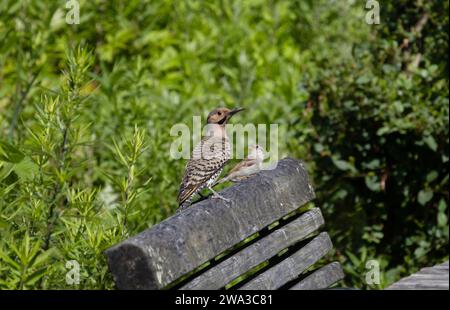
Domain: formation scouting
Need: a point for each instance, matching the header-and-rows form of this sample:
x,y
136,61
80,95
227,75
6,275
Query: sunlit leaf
x,y
424,196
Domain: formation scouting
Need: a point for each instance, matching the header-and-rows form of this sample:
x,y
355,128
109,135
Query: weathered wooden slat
x,y
438,267
260,251
431,270
156,257
291,267
430,285
430,278
424,277
322,278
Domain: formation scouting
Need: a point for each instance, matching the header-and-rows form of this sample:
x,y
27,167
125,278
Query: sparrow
x,y
247,167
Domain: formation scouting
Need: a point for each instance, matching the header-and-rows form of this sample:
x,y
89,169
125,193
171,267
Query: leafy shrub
x,y
379,144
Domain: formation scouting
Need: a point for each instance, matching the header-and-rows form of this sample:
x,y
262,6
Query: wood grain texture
x,y
321,278
429,278
160,255
262,250
293,266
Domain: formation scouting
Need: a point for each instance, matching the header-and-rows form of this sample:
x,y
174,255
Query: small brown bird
x,y
247,167
208,158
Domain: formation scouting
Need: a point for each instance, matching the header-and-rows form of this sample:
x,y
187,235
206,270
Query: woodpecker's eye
x,y
220,113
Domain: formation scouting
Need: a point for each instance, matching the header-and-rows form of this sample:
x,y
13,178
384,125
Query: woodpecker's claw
x,y
220,197
184,206
216,195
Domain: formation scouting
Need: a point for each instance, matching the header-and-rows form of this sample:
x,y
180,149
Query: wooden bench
x,y
267,237
429,278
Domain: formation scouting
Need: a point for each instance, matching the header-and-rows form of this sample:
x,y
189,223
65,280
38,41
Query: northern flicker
x,y
208,158
247,167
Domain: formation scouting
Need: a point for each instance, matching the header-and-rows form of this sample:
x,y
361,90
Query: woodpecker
x,y
247,167
208,158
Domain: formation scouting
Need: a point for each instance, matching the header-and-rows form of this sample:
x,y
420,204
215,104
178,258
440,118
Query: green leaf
x,y
431,176
372,183
26,169
442,206
442,219
398,106
318,147
34,253
422,249
3,223
431,142
374,164
8,260
119,153
43,257
10,153
364,254
340,194
343,165
6,170
383,130
419,252
424,196
31,279
363,79
355,260
230,72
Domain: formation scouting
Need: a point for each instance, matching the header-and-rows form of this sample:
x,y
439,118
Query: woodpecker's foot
x,y
184,206
244,178
216,195
237,181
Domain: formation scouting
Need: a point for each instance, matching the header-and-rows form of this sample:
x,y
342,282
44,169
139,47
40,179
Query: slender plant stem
x,y
19,104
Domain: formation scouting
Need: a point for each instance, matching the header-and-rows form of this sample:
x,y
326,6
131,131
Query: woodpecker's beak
x,y
234,111
227,117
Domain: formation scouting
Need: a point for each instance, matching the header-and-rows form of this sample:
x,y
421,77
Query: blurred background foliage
x,y
86,111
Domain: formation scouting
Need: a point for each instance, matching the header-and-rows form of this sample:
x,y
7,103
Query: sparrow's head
x,y
221,116
256,152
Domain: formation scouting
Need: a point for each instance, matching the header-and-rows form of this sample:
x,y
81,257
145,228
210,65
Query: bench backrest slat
x,y
290,268
322,278
258,252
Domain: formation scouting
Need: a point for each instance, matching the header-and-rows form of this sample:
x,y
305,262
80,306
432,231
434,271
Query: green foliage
x,y
379,144
86,112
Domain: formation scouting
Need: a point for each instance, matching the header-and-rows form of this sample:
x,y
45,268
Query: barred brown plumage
x,y
208,158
